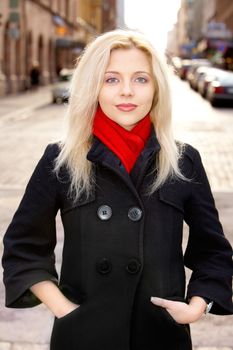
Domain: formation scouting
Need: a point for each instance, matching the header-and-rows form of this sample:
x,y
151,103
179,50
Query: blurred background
x,y
40,41
39,38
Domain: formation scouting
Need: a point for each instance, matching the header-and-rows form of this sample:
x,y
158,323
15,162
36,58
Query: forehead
x,y
129,59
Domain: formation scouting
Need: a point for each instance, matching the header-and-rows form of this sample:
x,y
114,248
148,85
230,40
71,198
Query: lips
x,y
126,107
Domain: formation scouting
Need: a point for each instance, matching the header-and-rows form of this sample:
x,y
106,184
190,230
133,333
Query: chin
x,y
128,126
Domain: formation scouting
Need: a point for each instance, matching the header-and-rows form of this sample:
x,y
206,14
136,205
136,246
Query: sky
x,y
152,17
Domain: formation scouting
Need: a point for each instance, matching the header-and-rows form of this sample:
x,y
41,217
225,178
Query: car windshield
x,y
186,62
227,79
65,77
65,74
215,72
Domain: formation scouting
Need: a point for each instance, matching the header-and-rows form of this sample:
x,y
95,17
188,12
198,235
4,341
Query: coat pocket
x,y
177,333
168,315
68,315
169,318
65,328
93,325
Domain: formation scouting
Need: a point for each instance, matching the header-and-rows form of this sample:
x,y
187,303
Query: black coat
x,y
121,247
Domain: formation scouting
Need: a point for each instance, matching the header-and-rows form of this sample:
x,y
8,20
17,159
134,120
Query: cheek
x,y
146,99
106,95
101,97
105,101
146,94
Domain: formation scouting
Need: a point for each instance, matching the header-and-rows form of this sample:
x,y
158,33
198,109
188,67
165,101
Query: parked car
x,y
195,65
200,71
221,90
210,75
182,71
60,90
176,63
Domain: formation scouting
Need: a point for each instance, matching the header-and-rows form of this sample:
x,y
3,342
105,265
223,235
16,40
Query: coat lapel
x,y
102,155
145,160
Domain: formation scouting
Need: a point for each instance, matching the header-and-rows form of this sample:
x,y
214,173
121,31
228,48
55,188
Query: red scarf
x,y
127,145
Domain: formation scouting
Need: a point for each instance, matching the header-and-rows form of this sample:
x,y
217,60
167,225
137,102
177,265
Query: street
x,y
208,129
25,134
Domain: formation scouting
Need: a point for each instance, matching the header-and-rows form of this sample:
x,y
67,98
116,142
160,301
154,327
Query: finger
x,y
161,302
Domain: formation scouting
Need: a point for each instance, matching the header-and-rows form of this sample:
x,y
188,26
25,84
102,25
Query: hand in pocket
x,y
67,310
181,312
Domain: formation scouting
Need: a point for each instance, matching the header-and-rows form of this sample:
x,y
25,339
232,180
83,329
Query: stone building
x,y
217,32
97,16
224,13
45,36
204,28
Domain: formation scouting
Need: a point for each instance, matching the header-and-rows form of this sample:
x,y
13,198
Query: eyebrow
x,y
138,72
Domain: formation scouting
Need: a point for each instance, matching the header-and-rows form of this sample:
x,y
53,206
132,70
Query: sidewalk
x,y
13,328
12,106
26,346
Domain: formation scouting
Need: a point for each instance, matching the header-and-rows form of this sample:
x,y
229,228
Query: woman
x,y
123,187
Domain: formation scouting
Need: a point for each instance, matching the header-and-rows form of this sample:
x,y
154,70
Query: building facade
x,y
224,13
44,36
204,28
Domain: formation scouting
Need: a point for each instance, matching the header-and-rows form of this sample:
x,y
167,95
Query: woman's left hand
x,y
181,312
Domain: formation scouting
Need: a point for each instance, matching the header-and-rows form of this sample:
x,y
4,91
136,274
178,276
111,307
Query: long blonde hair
x,y
85,86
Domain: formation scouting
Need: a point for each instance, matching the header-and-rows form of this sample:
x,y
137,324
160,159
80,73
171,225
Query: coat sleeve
x,y
30,239
208,253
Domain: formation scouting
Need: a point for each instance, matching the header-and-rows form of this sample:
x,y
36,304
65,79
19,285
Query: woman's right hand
x,y
67,309
52,297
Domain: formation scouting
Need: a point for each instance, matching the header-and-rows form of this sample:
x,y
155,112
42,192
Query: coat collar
x,y
102,155
145,159
99,153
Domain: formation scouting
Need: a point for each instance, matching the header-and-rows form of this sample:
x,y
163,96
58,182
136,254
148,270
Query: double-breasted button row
x,y
133,266
134,214
104,212
104,266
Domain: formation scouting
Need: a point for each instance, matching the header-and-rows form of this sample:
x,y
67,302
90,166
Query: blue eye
x,y
111,80
141,80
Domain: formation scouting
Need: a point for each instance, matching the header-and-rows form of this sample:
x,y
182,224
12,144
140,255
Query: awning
x,y
58,21
69,43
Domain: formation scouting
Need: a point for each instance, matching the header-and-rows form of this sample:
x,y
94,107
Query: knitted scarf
x,y
127,145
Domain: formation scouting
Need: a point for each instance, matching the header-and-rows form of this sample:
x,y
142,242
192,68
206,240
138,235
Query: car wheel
x,y
214,103
203,94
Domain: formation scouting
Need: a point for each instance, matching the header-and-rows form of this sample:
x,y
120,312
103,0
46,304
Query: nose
x,y
126,88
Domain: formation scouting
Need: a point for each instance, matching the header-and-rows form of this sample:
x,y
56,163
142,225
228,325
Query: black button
x,y
135,214
104,212
133,266
104,266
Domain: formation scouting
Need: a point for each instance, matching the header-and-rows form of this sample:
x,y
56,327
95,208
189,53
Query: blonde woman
x,y
123,187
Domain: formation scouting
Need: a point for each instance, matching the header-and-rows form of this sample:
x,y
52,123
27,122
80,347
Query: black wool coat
x,y
121,247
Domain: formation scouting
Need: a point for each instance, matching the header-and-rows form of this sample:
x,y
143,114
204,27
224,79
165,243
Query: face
x,y
127,92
